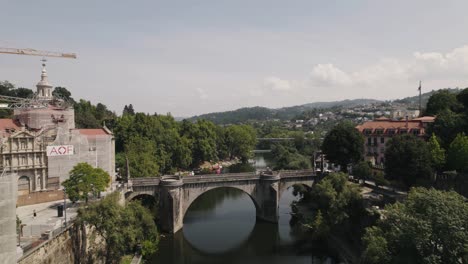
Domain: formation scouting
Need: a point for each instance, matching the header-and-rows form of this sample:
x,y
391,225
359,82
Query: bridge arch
x,y
131,195
190,196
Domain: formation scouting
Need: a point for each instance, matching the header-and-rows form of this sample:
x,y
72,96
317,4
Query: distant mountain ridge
x,y
259,113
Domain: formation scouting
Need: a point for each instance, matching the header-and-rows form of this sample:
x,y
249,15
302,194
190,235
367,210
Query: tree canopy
x,y
343,145
408,159
430,226
457,156
442,100
121,227
85,179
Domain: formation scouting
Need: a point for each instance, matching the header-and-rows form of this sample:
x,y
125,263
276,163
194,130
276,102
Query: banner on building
x,y
61,150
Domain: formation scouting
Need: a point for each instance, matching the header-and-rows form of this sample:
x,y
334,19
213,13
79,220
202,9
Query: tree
x,y
63,93
430,226
447,125
437,153
121,227
128,110
336,203
343,145
408,159
85,179
288,158
362,170
141,154
442,100
241,140
22,92
462,97
457,156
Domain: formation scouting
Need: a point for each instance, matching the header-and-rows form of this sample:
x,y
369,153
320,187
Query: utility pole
x,y
420,105
65,205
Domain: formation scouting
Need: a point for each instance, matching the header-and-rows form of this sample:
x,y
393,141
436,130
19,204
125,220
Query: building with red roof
x,y
380,130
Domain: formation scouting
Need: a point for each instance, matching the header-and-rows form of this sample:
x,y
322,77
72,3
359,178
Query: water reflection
x,y
220,227
219,220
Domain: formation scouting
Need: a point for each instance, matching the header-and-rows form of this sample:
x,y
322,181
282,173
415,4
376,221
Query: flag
x,y
419,88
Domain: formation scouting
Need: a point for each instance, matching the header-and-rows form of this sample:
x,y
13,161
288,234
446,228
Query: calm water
x,y
220,227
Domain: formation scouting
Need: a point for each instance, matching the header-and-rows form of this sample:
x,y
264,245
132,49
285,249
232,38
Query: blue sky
x,y
192,57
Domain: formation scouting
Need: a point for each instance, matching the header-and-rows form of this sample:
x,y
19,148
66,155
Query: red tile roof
x,y
398,125
8,124
425,118
93,131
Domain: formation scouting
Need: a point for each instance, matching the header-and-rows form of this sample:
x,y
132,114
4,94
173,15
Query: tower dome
x,y
44,89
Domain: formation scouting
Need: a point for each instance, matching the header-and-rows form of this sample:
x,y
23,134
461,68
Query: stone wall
x,y
54,251
39,197
8,218
75,244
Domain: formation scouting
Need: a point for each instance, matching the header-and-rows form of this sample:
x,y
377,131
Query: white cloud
x,y
276,84
202,94
387,78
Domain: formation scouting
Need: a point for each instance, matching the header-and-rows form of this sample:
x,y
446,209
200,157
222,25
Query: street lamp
x,y
65,205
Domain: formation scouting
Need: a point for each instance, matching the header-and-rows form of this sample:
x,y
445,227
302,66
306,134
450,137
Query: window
x,y
23,160
415,131
23,144
8,161
375,141
369,141
379,131
391,131
382,140
367,131
403,131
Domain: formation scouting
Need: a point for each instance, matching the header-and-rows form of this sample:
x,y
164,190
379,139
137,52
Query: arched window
x,y
23,185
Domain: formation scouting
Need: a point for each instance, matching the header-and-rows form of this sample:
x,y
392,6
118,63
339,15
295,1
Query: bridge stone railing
x,y
152,181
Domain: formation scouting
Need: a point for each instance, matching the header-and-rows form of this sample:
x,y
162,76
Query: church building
x,y
41,145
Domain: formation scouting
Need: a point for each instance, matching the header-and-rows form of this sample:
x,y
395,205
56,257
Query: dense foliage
x,y
335,201
343,145
121,227
452,115
428,227
157,144
408,159
85,179
457,156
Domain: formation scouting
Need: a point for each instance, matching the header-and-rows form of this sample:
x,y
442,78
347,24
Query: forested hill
x,y
414,100
285,113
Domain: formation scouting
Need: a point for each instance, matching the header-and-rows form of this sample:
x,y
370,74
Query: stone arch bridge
x,y
176,193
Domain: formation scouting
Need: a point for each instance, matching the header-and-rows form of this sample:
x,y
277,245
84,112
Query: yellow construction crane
x,y
34,52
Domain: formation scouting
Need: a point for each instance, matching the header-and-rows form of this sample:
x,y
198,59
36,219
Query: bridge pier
x,y
267,195
171,204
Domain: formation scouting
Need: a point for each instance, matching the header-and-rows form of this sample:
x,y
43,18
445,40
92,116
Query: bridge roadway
x,y
176,193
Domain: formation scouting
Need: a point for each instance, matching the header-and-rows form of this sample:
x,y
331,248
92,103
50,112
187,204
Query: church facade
x,y
41,145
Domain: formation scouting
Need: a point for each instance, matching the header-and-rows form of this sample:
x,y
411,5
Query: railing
x,y
222,177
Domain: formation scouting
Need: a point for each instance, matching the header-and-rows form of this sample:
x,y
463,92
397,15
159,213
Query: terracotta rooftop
x,y
385,126
93,131
8,126
425,118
